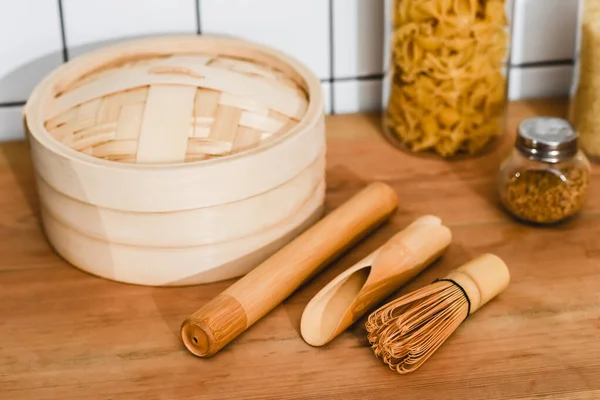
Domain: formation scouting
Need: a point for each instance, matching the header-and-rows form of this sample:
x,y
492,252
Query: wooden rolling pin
x,y
233,311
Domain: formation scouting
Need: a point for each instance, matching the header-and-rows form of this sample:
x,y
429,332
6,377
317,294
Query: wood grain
x,y
278,277
68,335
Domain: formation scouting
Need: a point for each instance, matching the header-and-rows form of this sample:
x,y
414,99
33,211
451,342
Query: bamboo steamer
x,y
177,160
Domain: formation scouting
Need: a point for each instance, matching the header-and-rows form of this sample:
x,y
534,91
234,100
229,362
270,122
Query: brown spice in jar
x,y
546,196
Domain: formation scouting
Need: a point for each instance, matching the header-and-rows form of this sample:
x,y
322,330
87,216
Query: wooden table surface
x,y
67,335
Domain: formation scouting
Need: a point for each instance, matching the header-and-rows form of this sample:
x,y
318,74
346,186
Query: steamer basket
x,y
177,160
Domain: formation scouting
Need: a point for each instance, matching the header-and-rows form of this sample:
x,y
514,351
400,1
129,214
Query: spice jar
x,y
445,86
584,111
546,177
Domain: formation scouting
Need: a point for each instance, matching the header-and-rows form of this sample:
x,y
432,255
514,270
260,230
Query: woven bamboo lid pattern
x,y
175,108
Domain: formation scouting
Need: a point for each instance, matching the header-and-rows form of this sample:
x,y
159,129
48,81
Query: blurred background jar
x,y
545,179
445,89
584,112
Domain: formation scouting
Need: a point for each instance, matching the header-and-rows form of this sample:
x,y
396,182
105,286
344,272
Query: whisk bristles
x,y
407,331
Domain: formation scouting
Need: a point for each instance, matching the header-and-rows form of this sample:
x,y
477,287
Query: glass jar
x,y
445,83
584,112
546,177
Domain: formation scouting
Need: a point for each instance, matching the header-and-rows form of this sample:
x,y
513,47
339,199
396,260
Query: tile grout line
x,y
373,77
541,64
331,60
13,104
198,24
63,36
370,77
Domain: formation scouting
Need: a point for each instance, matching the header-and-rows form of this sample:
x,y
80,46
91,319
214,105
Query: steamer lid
x,y
174,108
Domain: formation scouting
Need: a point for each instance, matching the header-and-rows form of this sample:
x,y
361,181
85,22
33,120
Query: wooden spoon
x,y
352,293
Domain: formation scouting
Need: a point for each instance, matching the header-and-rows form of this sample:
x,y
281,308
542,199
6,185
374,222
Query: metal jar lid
x,y
547,139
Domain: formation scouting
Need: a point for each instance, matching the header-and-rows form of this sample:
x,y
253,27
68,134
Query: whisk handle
x,y
482,278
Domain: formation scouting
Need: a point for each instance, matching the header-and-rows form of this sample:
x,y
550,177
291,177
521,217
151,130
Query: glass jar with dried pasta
x,y
445,86
546,177
584,111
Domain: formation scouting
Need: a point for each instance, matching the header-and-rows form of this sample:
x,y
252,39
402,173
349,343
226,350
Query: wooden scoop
x,y
352,293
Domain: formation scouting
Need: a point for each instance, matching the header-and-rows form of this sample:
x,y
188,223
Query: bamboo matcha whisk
x,y
407,331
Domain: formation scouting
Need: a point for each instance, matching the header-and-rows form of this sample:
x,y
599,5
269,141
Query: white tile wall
x,y
300,28
550,81
327,96
357,95
11,123
90,24
545,30
30,46
358,38
340,40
